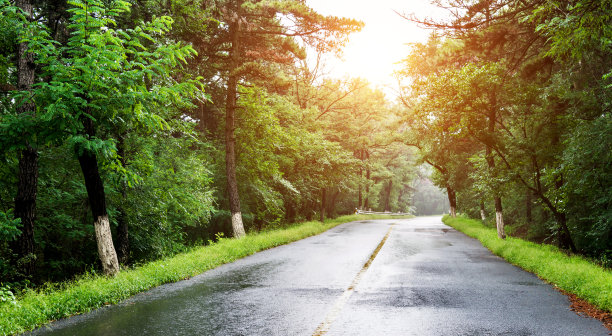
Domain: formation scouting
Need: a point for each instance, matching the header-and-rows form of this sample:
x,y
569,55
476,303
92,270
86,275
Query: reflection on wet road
x,y
426,279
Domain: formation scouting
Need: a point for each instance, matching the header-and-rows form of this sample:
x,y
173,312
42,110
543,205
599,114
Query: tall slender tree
x,y
261,36
25,200
99,78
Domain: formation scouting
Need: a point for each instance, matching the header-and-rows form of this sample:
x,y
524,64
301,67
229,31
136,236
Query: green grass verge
x,y
36,308
573,274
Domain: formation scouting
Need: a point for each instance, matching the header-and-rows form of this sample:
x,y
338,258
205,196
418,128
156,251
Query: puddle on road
x,y
188,307
430,230
435,269
402,297
405,246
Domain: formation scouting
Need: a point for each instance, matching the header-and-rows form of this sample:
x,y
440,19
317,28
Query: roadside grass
x,y
91,291
573,274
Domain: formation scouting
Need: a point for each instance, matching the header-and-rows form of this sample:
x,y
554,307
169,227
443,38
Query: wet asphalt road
x,y
426,279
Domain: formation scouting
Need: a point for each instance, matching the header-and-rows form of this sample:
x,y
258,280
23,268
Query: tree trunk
x,y
123,241
528,206
483,214
399,197
366,202
25,209
290,213
97,203
360,202
452,200
499,217
230,140
309,210
388,198
565,238
331,205
27,185
322,213
201,126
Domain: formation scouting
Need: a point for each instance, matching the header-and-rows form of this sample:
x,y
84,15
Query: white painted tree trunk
x,y
106,249
97,203
230,138
499,220
483,214
452,200
237,226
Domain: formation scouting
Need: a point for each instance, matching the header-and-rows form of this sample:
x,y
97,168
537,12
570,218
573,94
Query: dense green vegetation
x,y
510,102
90,291
573,274
135,130
169,125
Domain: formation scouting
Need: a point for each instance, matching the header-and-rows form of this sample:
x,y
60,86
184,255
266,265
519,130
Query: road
x,y
384,277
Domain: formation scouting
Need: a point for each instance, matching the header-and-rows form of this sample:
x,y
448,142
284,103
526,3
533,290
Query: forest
x,y
134,130
510,102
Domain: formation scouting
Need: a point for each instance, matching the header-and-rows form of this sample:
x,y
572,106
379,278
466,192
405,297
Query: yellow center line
x,y
341,302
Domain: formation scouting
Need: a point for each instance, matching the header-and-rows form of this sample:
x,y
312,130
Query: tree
x,y
359,118
258,37
97,78
481,30
285,164
519,87
25,200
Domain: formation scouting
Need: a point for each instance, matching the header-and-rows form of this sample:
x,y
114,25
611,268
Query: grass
x,y
37,308
573,274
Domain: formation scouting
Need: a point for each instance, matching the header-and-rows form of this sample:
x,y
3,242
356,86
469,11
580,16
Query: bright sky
x,y
373,52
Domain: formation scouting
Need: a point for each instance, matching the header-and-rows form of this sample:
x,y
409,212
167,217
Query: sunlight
x,y
373,53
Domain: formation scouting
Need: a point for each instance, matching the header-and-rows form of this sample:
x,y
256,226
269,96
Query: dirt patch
x,y
585,308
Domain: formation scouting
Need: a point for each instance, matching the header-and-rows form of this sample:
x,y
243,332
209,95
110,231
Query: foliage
x,y
576,28
109,75
124,81
512,101
173,196
6,295
120,79
9,226
61,236
280,163
587,168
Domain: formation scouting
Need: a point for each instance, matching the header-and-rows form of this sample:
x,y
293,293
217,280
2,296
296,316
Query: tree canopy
x,y
501,96
172,124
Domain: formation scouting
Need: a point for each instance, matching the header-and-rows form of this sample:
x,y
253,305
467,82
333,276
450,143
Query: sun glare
x,y
374,51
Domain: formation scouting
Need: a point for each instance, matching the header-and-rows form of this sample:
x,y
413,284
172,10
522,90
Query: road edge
x,y
587,285
91,291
